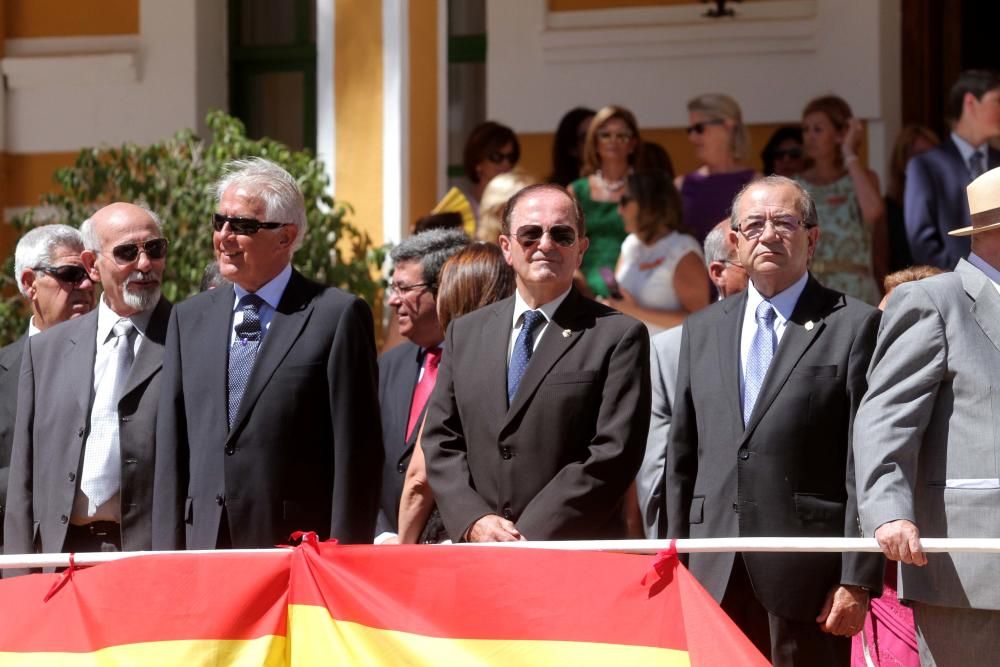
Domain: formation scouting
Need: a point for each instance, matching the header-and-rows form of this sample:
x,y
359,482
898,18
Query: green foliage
x,y
175,178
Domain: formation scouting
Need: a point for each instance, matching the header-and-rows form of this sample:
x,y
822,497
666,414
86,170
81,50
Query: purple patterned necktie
x,y
243,352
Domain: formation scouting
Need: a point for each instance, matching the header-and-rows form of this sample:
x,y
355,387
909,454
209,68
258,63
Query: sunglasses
x,y
243,226
699,128
529,235
497,157
129,252
781,153
71,274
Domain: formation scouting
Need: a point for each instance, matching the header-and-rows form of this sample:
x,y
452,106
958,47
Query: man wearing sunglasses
x,y
87,401
538,421
269,419
51,277
768,384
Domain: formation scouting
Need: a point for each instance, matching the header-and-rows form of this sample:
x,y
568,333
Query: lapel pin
x,y
566,333
809,325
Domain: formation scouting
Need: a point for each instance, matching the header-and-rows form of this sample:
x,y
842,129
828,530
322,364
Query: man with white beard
x,y
82,465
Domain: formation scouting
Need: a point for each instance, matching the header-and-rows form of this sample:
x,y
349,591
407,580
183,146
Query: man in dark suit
x,y
407,372
269,413
538,422
82,467
51,277
761,446
934,200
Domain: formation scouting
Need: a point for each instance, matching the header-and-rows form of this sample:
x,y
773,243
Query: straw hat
x,y
984,204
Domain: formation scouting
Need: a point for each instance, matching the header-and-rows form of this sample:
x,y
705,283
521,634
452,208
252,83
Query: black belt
x,y
98,529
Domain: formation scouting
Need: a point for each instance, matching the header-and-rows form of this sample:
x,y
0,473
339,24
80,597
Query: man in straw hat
x,y
927,441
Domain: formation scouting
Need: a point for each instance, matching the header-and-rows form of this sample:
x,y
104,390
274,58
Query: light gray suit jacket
x,y
55,394
927,434
664,353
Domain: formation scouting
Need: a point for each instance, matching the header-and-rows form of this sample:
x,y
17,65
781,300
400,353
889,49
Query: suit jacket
x,y
398,370
10,370
934,203
665,350
305,450
558,461
927,436
55,396
789,472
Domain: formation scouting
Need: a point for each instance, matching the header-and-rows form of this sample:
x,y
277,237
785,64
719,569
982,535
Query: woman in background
x,y
475,277
722,145
495,197
852,254
567,148
661,273
783,155
491,149
610,152
911,141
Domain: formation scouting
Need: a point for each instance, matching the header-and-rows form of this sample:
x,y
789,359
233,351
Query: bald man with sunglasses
x,y
538,420
82,464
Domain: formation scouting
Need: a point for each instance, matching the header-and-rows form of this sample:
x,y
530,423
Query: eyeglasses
x,y
734,264
699,128
71,274
129,252
403,290
497,157
781,153
625,200
617,137
529,235
783,227
243,226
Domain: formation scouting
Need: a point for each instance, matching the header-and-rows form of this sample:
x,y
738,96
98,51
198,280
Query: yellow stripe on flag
x,y
316,638
268,651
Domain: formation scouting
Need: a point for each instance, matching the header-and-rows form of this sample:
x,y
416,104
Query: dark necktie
x,y
423,389
243,352
521,355
758,357
976,166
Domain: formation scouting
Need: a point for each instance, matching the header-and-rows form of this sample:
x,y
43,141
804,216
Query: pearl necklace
x,y
610,186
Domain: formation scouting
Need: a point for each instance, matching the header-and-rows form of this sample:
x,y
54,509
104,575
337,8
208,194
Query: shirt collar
x,y
783,302
991,271
548,309
107,319
32,329
966,149
272,290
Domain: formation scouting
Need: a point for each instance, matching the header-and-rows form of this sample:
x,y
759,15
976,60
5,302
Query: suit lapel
x,y
495,344
79,355
290,317
986,300
150,356
728,338
559,336
811,308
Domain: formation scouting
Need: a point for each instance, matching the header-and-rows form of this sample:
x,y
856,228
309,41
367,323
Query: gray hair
x,y
92,242
273,185
715,245
37,247
432,249
804,204
717,106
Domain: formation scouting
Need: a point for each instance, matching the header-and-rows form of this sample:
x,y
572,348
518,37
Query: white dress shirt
x,y
271,293
520,308
784,305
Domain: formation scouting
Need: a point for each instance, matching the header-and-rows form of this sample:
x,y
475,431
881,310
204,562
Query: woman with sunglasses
x,y
608,157
783,155
852,253
491,149
661,273
722,145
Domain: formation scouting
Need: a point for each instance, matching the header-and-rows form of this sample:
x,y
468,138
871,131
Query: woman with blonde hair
x,y
609,155
722,145
495,197
852,254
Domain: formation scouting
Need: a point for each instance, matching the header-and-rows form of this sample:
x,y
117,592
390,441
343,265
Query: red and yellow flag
x,y
363,605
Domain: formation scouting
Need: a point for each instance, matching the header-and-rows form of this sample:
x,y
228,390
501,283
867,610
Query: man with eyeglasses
x,y
82,466
537,424
269,419
760,443
408,372
51,277
729,278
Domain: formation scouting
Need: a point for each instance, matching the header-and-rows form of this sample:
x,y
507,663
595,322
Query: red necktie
x,y
424,388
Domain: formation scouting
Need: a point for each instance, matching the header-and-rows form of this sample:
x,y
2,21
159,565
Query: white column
x,y
326,120
395,119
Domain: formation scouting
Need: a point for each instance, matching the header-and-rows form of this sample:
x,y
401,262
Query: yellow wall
x,y
423,66
358,109
70,18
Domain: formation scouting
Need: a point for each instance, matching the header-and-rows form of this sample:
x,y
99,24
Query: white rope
x,y
714,545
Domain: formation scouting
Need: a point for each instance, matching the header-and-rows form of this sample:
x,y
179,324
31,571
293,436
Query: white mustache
x,y
142,276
